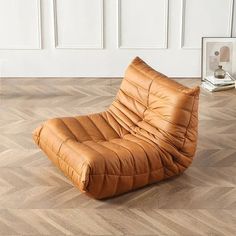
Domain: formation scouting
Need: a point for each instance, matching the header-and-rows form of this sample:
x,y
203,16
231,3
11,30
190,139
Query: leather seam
x,y
156,136
59,157
39,133
136,85
149,93
110,125
161,117
165,153
130,96
97,128
124,113
61,141
68,128
130,175
159,130
85,130
158,75
120,119
134,164
90,167
102,144
187,128
105,166
147,159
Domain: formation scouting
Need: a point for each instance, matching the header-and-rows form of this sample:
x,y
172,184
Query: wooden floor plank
x,y
36,199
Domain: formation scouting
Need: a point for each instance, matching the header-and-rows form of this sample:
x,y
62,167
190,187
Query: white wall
x,y
100,37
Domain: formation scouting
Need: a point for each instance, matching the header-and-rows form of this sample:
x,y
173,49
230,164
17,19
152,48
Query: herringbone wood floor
x,y
36,199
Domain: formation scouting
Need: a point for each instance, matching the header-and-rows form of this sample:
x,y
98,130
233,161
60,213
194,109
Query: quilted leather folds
x,y
149,133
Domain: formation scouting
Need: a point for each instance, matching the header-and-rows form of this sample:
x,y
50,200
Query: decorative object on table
x,y
219,73
218,52
218,63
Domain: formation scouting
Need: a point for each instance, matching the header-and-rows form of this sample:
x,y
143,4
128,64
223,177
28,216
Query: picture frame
x,y
218,51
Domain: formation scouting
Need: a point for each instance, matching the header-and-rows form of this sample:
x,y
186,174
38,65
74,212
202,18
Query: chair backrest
x,y
156,108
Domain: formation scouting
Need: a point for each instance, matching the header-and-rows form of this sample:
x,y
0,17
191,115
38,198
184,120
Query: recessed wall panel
x,y
142,23
20,24
78,23
205,18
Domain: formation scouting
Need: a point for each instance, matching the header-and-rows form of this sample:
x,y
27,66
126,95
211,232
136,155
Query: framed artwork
x,y
218,51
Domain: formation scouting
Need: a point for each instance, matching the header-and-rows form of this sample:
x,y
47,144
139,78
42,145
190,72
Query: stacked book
x,y
213,84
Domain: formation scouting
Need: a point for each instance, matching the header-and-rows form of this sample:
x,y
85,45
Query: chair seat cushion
x,y
99,159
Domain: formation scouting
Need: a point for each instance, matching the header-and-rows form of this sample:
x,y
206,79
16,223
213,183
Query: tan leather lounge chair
x,y
148,134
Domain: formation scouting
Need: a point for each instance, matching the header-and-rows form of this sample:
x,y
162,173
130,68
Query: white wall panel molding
x,y
20,24
205,18
142,24
151,29
78,24
234,19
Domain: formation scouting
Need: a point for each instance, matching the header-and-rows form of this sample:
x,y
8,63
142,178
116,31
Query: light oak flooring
x,y
36,199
